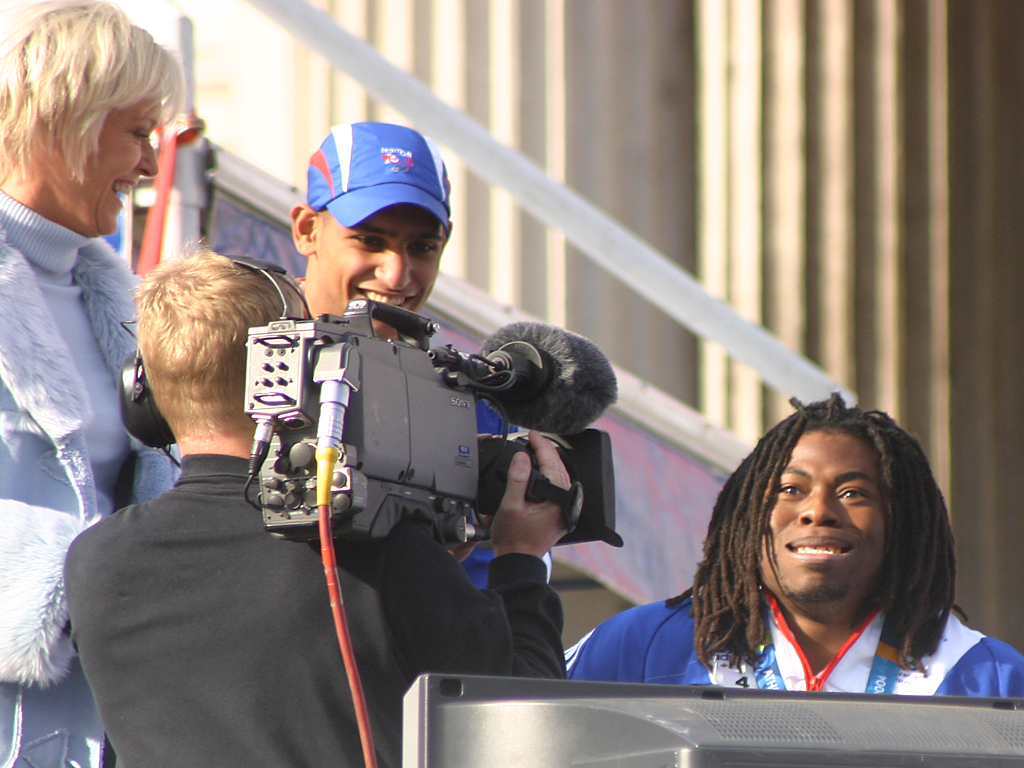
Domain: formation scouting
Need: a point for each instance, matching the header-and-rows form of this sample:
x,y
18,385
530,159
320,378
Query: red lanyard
x,y
815,682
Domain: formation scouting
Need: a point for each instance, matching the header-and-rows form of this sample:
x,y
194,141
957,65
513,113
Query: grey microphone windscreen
x,y
582,386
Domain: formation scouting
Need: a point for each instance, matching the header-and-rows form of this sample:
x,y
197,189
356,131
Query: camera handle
x,y
539,488
408,324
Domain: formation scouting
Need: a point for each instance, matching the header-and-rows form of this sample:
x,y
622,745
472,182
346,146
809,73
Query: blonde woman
x,y
81,91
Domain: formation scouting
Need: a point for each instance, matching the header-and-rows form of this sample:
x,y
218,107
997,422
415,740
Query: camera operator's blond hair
x,y
194,315
64,65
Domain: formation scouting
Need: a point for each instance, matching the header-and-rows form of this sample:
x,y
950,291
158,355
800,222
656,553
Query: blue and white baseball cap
x,y
362,168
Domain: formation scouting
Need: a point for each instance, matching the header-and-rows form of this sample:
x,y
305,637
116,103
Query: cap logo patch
x,y
399,159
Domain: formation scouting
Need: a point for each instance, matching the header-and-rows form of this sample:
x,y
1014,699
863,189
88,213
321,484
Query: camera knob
x,y
301,455
445,506
340,503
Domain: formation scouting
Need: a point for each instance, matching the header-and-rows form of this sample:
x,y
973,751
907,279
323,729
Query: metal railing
x,y
623,254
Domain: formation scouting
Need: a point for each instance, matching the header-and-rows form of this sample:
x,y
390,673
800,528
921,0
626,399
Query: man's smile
x,y
819,547
383,298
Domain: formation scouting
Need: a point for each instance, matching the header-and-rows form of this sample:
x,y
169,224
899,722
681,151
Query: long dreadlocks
x,y
917,580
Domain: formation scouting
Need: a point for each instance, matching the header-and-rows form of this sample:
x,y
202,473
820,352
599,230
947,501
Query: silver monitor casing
x,y
470,722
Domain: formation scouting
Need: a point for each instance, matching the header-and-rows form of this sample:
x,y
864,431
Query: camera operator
x,y
208,641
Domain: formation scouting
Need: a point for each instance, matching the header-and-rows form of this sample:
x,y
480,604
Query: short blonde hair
x,y
64,65
194,314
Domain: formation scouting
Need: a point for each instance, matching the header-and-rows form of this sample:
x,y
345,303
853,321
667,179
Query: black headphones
x,y
142,419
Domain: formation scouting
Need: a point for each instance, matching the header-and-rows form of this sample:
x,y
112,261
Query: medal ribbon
x,y
885,668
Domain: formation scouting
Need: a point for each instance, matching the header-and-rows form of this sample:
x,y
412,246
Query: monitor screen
x,y
470,722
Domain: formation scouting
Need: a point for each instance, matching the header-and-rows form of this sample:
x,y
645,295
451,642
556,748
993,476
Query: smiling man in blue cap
x,y
376,220
375,223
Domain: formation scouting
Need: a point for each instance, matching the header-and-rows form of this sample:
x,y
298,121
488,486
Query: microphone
x,y
563,381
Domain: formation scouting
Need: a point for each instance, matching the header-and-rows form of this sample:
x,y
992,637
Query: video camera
x,y
405,419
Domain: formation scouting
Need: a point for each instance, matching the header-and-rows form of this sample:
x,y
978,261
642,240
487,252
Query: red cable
x,y
344,639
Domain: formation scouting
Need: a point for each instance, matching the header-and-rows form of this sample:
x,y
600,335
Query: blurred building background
x,y
846,173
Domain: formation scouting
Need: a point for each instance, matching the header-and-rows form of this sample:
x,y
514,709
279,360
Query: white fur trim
x,y
33,645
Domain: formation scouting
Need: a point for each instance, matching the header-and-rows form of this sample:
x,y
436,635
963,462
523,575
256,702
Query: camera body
x,y
409,445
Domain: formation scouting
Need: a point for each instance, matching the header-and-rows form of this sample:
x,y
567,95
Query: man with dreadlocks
x,y
828,566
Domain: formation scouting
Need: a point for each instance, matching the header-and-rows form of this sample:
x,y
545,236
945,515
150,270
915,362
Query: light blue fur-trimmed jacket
x,y
42,415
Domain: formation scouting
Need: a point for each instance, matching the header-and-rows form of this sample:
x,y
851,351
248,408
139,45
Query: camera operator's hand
x,y
531,528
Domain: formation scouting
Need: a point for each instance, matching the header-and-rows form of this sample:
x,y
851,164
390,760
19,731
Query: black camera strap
x,y
539,488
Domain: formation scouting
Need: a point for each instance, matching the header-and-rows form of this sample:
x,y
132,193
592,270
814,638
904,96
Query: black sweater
x,y
209,642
